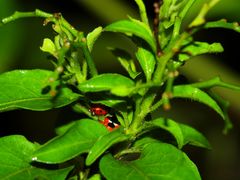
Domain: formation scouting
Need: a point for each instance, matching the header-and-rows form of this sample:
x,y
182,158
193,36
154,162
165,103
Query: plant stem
x,y
156,22
18,15
163,60
88,57
143,106
216,81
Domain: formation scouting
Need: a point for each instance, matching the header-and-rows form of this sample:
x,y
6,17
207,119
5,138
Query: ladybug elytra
x,y
98,110
109,124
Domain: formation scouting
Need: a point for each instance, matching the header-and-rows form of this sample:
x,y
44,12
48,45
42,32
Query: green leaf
x,y
23,89
142,11
147,62
95,177
194,137
15,161
182,133
64,128
187,91
110,102
49,47
103,143
157,161
133,27
93,36
223,24
106,82
200,18
78,139
198,48
126,61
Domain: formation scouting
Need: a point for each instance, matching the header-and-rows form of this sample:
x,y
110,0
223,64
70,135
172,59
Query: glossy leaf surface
x,y
23,89
131,28
106,82
93,36
78,139
182,133
15,159
103,143
187,91
157,161
147,62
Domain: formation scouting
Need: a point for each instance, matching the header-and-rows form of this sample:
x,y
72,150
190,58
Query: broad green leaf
x,y
157,161
15,161
187,91
95,177
111,102
64,128
194,137
103,143
223,24
78,139
131,28
121,91
23,89
126,61
182,133
198,48
147,62
49,47
106,82
93,36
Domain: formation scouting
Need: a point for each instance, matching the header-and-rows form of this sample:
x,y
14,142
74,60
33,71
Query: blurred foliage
x,y
19,48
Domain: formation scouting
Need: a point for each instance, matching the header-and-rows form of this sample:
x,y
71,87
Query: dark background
x,y
19,49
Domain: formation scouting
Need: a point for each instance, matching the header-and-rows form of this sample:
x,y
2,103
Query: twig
x,y
156,6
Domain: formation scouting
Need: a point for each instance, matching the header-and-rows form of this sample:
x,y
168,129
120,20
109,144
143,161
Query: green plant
x,y
142,147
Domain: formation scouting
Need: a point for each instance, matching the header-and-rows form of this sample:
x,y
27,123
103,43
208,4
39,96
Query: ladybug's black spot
x,y
111,125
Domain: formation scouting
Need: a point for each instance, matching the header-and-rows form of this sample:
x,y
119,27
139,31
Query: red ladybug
x,y
109,124
98,110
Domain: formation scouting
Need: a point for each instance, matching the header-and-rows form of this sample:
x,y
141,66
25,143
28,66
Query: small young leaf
x,y
92,37
23,89
15,161
78,139
187,91
182,133
126,61
200,18
131,28
147,62
157,161
48,46
223,24
105,82
103,143
198,48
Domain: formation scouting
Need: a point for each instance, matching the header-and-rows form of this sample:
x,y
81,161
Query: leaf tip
x,y
34,158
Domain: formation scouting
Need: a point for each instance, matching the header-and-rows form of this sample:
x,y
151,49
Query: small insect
x,y
109,124
98,110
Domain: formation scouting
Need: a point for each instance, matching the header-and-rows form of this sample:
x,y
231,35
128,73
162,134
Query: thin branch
x,y
157,5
